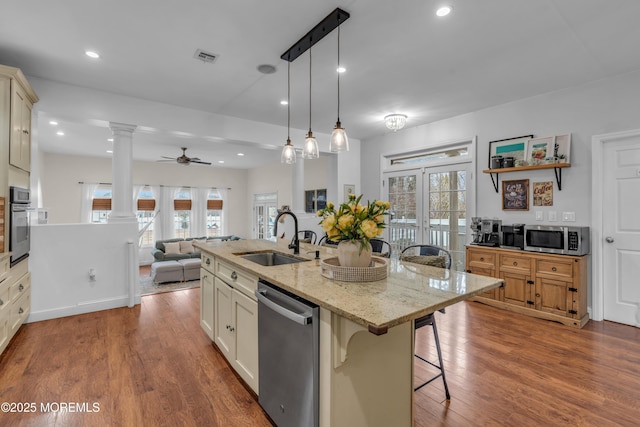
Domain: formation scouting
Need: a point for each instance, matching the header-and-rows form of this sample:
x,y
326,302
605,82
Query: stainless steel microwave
x,y
557,239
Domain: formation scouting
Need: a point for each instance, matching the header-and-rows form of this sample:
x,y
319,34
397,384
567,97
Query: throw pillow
x,y
186,247
172,248
433,261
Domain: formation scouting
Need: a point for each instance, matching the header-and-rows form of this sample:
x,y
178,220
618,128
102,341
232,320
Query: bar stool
x,y
439,257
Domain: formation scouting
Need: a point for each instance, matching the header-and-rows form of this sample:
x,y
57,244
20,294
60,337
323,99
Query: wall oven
x,y
19,232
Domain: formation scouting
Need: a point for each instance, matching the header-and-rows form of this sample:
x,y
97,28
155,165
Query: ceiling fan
x,y
184,160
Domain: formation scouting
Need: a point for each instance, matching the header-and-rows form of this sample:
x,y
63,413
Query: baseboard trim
x,y
81,308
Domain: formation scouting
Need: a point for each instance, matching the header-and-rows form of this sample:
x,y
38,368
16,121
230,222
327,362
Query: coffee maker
x,y
513,236
491,232
476,227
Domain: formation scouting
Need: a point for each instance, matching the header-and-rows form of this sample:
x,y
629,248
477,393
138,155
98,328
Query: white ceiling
x,y
399,57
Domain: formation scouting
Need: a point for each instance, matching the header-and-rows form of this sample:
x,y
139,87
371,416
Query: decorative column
x,y
297,188
122,196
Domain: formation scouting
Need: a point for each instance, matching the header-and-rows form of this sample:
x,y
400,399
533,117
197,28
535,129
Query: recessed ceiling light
x,y
341,69
60,133
284,102
53,123
240,154
110,151
443,11
266,69
110,139
220,161
92,54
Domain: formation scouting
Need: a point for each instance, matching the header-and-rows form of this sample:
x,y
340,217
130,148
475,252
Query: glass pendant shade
x,y
310,147
339,141
288,153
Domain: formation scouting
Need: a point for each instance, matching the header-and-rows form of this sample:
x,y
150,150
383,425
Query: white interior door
x,y
621,230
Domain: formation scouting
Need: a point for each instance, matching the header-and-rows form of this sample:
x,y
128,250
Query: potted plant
x,y
353,225
561,158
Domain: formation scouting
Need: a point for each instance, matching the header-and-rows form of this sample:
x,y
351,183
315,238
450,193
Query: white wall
x,y
60,259
62,194
605,106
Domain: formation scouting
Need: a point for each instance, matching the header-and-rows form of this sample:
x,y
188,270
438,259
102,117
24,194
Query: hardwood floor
x,y
152,365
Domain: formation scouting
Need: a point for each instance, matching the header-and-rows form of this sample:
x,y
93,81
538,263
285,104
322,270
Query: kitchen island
x,y
366,329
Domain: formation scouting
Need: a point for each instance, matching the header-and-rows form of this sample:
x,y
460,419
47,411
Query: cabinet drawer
x,y
238,279
19,311
207,262
20,287
482,259
515,263
555,268
5,301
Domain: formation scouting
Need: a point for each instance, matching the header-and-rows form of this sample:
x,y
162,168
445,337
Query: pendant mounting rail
x,y
317,33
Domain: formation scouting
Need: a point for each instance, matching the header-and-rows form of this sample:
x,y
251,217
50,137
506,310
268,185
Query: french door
x,y
264,214
430,205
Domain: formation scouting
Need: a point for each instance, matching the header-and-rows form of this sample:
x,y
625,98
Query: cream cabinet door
x,y
223,328
206,302
20,143
245,323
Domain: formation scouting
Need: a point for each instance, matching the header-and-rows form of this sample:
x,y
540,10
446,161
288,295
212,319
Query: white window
x,y
145,214
214,214
101,204
182,213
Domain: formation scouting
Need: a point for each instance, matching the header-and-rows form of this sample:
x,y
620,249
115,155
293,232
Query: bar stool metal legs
x,y
430,319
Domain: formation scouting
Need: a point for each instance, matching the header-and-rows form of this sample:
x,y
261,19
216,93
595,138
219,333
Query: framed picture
x,y
512,147
563,148
543,193
349,189
539,149
515,195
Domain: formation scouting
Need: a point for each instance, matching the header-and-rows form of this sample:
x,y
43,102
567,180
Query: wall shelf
x,y
557,167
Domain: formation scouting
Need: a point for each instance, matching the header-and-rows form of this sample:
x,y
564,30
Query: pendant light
x,y
288,151
310,150
339,141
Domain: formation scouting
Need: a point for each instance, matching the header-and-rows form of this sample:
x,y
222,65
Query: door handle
x,y
609,239
302,319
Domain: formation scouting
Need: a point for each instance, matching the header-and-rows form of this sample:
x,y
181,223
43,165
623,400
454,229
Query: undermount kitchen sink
x,y
269,258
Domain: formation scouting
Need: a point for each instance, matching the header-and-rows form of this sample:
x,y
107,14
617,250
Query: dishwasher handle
x,y
303,319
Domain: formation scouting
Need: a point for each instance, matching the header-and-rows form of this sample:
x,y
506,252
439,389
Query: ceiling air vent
x,y
205,56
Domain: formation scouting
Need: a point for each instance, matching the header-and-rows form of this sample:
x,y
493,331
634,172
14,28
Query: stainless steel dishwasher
x,y
288,340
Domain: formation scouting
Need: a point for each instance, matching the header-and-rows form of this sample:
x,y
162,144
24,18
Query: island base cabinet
x,y
366,380
206,303
236,331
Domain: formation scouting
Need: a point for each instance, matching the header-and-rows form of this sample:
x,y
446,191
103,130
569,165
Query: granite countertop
x,y
409,291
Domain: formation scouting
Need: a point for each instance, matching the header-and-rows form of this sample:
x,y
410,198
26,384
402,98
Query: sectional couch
x,y
175,249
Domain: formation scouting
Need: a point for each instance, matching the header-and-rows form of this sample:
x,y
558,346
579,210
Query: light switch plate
x,y
569,216
539,216
553,216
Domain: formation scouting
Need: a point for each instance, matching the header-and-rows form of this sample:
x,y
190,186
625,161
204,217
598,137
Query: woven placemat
x,y
377,270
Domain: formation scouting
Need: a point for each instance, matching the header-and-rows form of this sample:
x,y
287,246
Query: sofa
x,y
175,249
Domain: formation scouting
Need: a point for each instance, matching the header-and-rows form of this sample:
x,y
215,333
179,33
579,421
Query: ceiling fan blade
x,y
170,158
195,158
198,161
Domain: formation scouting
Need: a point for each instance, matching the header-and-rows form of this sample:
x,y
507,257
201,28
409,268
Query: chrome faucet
x,y
295,242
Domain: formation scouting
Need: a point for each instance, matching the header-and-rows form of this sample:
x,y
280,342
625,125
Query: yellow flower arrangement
x,y
354,221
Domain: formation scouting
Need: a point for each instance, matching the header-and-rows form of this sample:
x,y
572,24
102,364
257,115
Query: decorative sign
x,y
515,195
543,193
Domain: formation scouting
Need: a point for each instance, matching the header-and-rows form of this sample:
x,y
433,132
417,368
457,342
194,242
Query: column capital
x,y
122,127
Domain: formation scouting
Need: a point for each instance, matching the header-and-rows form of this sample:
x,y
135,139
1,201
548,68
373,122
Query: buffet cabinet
x,y
229,315
552,287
